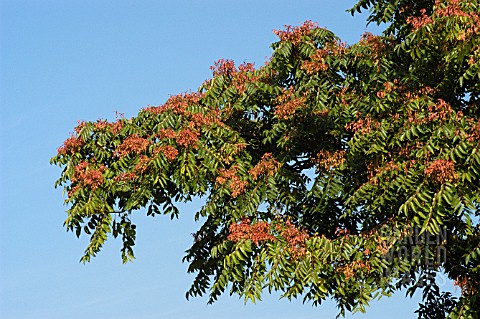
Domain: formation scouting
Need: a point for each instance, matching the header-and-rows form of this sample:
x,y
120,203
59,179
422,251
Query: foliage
x,y
333,171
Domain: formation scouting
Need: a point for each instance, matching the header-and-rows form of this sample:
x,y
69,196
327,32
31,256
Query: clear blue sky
x,y
61,61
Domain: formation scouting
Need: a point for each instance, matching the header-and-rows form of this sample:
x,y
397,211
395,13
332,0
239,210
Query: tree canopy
x,y
332,171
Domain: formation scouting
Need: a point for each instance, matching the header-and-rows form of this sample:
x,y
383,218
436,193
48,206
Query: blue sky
x,y
63,61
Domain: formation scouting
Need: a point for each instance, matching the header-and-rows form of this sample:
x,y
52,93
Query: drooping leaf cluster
x,y
333,171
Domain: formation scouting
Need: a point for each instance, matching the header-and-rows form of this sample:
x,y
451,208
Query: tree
x,y
333,171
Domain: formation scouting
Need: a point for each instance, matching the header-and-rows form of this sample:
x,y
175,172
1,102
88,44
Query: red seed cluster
x,y
236,185
240,147
452,9
240,77
168,151
187,137
115,127
85,175
142,165
103,125
468,286
374,169
439,111
351,268
328,160
288,104
388,87
294,237
363,126
178,104
223,67
71,145
261,232
132,145
226,174
73,190
80,126
474,132
125,177
246,67
295,34
317,60
166,133
441,171
244,76
267,166
198,120
374,42
258,232
422,20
